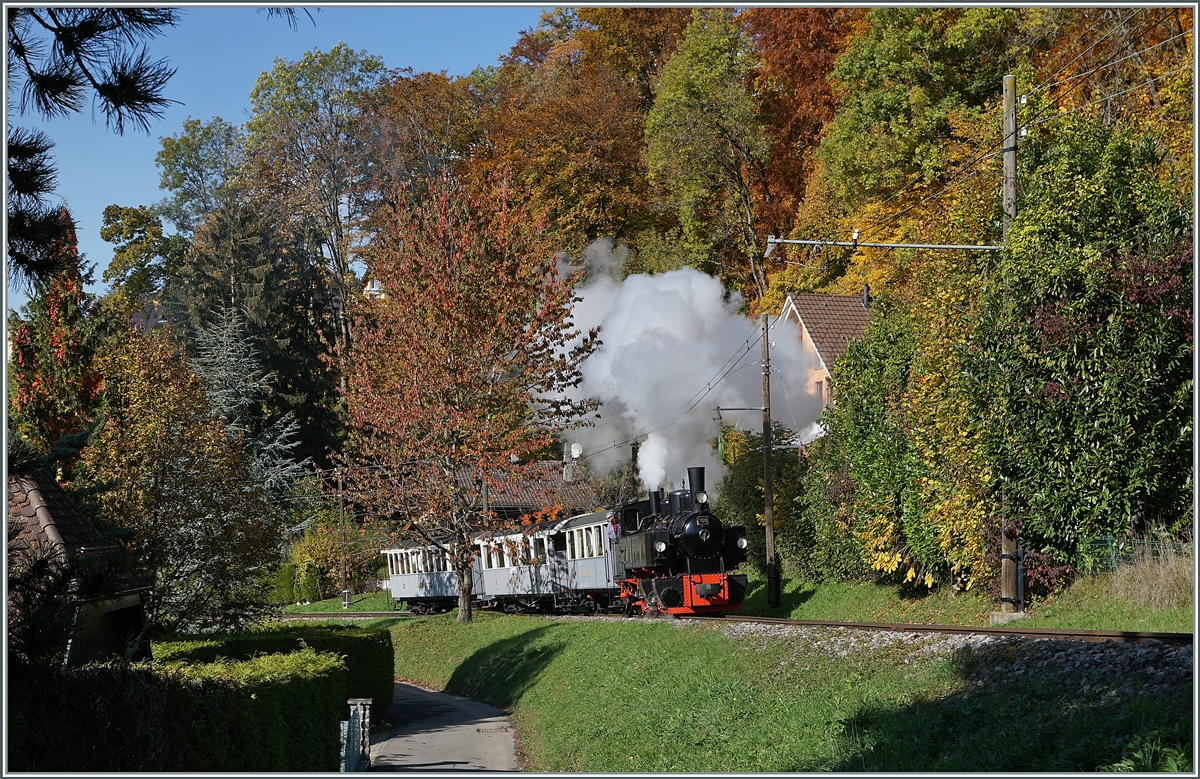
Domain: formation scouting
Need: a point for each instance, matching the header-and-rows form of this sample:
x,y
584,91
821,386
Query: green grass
x,y
376,601
646,696
1088,604
866,602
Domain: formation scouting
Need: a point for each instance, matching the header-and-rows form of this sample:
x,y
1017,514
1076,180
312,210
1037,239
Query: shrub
x,y
370,663
283,585
272,713
307,584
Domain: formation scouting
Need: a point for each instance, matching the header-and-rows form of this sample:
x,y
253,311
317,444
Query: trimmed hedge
x,y
370,660
271,713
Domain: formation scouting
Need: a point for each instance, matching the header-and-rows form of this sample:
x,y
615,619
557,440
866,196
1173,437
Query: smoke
x,y
673,349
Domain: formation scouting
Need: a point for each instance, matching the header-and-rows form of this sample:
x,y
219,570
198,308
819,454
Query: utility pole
x,y
1010,152
768,496
342,522
1010,602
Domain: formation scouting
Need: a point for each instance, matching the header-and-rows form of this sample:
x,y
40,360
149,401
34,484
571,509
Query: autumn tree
x,y
461,366
53,372
166,469
418,125
569,131
634,42
794,51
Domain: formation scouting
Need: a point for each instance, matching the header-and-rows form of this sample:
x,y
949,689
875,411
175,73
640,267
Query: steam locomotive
x,y
667,553
673,555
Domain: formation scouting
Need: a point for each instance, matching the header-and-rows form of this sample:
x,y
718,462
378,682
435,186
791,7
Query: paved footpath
x,y
435,731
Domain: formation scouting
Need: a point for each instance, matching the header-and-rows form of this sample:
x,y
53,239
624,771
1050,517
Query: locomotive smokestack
x,y
696,483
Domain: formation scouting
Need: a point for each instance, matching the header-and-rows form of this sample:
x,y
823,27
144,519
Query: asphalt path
x,y
434,731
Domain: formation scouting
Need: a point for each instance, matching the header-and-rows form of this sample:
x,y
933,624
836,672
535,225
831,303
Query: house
x,y
105,624
827,324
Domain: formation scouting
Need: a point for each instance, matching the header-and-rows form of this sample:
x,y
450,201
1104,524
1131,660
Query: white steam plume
x,y
665,338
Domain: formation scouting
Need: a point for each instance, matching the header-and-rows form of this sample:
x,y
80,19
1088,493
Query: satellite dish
x,y
576,450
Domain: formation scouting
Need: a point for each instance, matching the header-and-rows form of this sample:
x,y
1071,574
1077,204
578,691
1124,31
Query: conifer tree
x,y
236,387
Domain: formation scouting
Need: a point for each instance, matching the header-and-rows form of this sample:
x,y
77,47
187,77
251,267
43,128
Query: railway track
x,y
1058,634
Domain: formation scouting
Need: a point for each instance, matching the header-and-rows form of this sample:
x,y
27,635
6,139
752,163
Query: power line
x,y
1109,64
1106,98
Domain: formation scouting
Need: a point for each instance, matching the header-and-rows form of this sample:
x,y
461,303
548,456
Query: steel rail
x,y
1060,634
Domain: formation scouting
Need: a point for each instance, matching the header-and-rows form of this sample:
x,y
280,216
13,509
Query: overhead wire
x,y
1106,98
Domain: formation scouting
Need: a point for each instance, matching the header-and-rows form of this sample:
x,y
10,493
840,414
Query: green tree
x,y
1082,375
198,166
706,148
56,58
237,389
741,493
238,260
307,160
902,81
143,256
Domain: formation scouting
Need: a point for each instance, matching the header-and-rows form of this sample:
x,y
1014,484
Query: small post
x,y
768,496
1010,152
1008,572
342,522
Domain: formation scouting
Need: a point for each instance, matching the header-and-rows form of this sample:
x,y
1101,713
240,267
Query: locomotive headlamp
x,y
702,498
660,546
741,542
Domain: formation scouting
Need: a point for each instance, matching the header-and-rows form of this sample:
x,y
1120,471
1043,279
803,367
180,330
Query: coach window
x,y
570,545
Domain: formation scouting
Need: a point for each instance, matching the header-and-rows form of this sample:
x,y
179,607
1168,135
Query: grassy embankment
x,y
1133,600
642,695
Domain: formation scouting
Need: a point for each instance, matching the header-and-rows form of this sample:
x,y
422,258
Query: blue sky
x,y
218,53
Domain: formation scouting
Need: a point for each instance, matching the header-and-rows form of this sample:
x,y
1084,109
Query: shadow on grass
x,y
755,602
502,671
1051,722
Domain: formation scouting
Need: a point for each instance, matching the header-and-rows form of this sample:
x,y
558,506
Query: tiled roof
x,y
832,321
47,516
543,486
50,520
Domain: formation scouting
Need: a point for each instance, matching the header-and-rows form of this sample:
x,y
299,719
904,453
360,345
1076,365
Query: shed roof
x,y
832,321
49,519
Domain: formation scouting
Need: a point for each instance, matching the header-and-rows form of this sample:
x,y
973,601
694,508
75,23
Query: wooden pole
x,y
768,496
1008,543
1010,152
